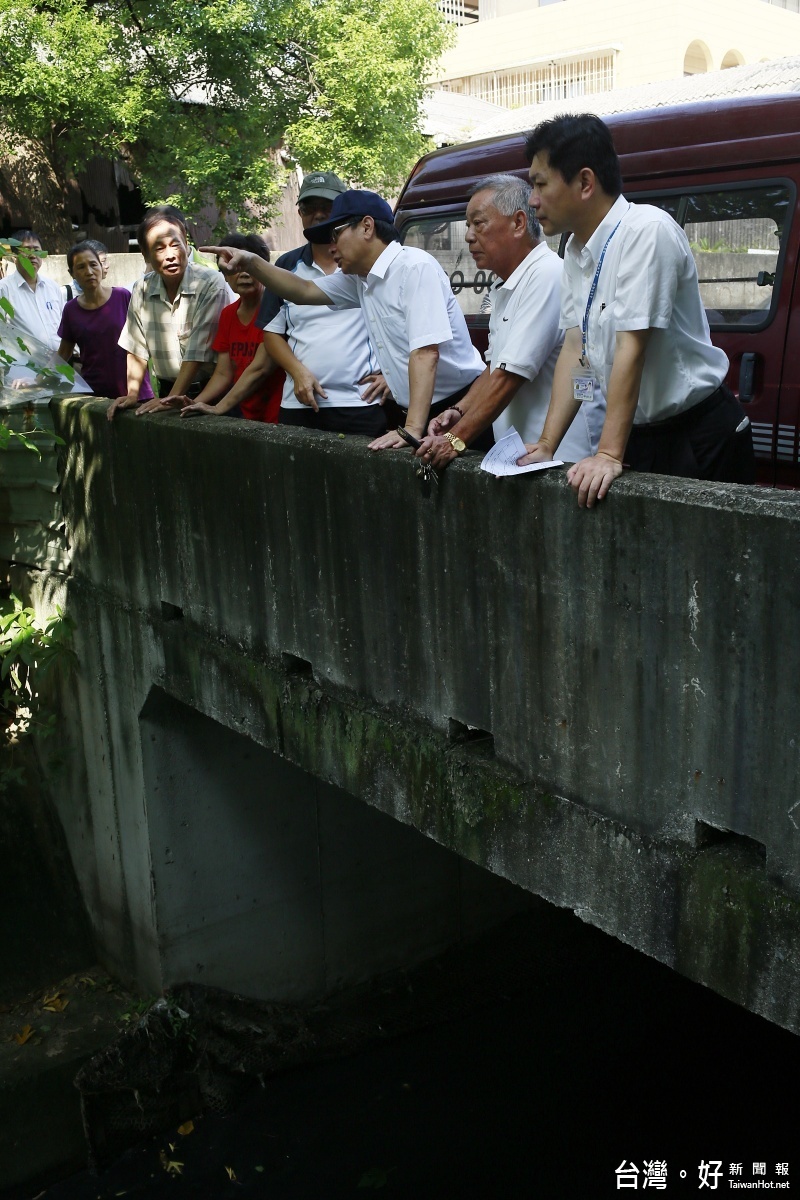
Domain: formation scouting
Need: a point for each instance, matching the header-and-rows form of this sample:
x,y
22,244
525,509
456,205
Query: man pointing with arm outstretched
x,y
414,323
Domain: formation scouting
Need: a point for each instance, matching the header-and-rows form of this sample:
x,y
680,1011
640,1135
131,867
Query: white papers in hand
x,y
502,458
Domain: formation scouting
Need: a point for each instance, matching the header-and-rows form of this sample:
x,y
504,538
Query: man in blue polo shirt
x,y
332,373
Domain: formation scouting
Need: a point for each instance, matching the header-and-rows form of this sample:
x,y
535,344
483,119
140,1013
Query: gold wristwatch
x,y
456,443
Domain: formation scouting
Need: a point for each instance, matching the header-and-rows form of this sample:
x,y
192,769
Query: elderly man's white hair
x,y
510,195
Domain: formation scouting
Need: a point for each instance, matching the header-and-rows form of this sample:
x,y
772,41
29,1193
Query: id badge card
x,y
583,385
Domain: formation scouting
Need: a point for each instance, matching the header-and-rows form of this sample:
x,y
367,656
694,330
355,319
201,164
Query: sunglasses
x,y
337,229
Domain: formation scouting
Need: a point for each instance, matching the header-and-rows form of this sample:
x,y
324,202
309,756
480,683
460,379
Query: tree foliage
x,y
31,648
197,92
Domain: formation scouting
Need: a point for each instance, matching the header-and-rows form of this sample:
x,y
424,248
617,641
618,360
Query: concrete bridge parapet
x,y
600,706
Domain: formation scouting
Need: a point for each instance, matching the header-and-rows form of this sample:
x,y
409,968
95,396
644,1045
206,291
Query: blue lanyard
x,y
592,290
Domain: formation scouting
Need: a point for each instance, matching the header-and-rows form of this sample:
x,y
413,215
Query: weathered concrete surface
x,y
269,882
635,667
41,1130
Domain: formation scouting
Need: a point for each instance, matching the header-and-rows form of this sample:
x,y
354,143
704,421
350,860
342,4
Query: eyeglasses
x,y
308,208
337,229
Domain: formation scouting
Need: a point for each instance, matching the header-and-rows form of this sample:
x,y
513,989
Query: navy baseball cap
x,y
354,203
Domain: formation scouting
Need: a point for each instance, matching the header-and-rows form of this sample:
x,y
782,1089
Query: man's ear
x,y
520,223
369,227
588,182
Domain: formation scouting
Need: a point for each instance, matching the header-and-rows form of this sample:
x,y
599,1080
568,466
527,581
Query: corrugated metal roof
x,y
780,75
448,117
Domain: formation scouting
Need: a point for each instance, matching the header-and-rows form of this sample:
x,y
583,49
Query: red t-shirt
x,y
241,342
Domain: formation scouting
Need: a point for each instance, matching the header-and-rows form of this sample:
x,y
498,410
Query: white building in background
x,y
774,78
523,52
459,12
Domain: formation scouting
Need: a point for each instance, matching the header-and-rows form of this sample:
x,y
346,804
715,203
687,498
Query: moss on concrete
x,y
738,930
606,685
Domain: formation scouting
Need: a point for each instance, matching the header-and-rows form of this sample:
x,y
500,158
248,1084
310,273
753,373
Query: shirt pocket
x,y
184,333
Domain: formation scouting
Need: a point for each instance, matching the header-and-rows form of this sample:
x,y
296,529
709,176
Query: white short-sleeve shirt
x,y
408,303
648,280
525,339
37,312
332,343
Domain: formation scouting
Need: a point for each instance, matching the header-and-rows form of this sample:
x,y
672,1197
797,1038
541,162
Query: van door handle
x,y
747,370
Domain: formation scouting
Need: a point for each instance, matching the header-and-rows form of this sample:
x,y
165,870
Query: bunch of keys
x,y
422,469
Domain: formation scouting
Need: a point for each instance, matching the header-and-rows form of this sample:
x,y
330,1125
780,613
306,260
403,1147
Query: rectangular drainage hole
x,y
171,612
480,739
297,666
710,835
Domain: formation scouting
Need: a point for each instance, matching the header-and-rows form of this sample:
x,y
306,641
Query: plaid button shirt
x,y
173,332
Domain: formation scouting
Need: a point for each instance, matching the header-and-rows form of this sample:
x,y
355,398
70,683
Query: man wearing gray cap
x,y
332,373
414,323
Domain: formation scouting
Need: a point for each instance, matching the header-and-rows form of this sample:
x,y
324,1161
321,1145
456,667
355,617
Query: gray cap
x,y
322,183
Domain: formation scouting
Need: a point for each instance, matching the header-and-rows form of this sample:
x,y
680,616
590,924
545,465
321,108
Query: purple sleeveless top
x,y
96,332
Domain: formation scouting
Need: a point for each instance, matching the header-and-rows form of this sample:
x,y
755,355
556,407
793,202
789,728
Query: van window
x,y
443,237
736,236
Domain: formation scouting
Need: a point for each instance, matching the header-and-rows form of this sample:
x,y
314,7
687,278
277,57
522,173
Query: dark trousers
x,y
704,443
483,442
194,389
371,419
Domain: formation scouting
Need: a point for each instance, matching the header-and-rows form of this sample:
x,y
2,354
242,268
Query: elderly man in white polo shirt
x,y
524,336
415,325
38,302
634,323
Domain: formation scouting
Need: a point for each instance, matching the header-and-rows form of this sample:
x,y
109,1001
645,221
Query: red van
x,y
728,171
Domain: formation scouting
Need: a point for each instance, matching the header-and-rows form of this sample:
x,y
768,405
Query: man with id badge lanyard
x,y
634,323
504,238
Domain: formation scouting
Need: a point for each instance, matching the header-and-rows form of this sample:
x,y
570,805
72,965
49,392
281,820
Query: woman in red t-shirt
x,y
245,382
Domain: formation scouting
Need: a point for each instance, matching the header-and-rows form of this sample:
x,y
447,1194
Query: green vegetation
x,y
27,439
197,97
704,245
30,649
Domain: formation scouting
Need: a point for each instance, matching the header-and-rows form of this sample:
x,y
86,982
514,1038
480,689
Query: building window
x,y
734,58
697,59
789,5
489,9
458,12
580,76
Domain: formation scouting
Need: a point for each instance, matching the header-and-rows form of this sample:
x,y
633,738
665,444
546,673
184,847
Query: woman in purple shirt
x,y
94,321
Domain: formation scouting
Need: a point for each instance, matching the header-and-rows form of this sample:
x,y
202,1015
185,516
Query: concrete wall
x,y
123,269
633,669
269,882
652,38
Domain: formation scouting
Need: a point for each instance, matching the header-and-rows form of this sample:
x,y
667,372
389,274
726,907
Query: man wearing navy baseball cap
x,y
332,377
418,330
351,204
